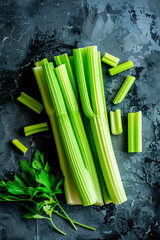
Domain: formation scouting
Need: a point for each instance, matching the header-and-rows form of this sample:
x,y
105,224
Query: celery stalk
x,y
89,73
77,124
79,172
71,193
30,102
135,132
120,68
19,145
63,59
36,128
110,60
105,193
116,122
102,88
124,89
80,65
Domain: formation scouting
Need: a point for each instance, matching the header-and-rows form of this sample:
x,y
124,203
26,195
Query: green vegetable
x,y
124,89
79,172
63,59
39,64
30,102
19,145
110,60
89,78
105,193
71,194
36,128
116,122
39,196
135,132
120,68
77,124
71,59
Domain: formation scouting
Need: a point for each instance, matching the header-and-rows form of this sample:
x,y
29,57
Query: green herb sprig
x,y
36,189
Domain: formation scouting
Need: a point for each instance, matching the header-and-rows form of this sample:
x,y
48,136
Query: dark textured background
x,y
130,30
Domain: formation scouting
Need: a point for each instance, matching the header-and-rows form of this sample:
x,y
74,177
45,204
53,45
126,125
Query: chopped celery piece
x,y
36,128
116,122
79,172
63,59
77,124
71,193
135,132
19,145
110,60
124,89
89,78
30,102
120,68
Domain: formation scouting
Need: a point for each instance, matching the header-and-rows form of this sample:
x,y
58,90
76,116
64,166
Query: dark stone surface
x,y
130,30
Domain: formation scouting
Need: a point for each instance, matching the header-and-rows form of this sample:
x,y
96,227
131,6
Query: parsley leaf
x,y
44,178
15,188
27,167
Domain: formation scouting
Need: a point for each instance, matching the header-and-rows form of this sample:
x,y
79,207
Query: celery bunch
x,y
91,165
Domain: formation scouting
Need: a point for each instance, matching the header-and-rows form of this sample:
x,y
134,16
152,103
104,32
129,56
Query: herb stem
x,y
55,226
80,224
20,200
27,200
65,213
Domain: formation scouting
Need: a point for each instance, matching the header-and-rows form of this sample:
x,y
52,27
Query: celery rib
x,y
105,193
63,59
116,122
110,60
98,121
36,128
107,160
71,194
124,89
102,88
19,145
30,102
83,91
135,132
93,77
120,68
80,174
